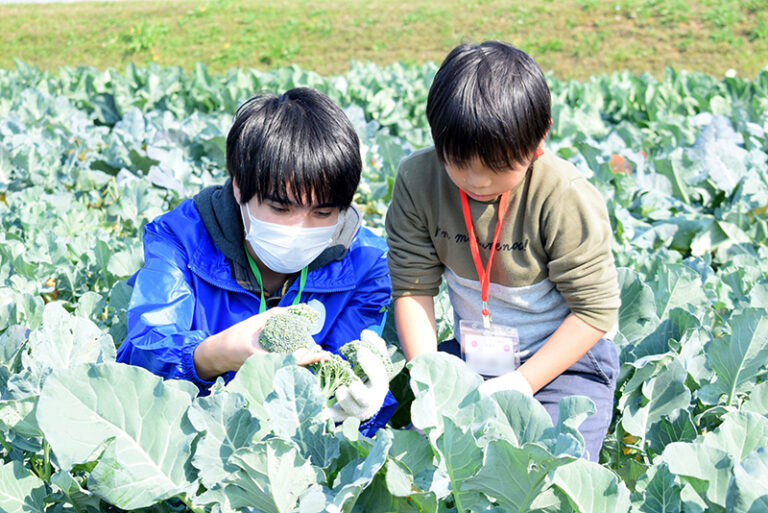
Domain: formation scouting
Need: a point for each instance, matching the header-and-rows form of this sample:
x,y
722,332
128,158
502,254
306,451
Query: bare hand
x,y
228,349
306,356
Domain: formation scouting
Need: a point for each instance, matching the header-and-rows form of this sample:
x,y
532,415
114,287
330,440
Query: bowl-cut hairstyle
x,y
297,147
488,101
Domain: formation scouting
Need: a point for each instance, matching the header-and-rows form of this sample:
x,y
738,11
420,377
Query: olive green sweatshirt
x,y
553,256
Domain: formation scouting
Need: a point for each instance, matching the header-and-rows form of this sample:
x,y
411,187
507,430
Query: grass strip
x,y
572,38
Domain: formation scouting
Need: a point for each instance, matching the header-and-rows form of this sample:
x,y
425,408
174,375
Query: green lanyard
x,y
255,269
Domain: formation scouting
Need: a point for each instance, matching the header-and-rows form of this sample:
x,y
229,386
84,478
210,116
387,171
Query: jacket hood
x,y
221,215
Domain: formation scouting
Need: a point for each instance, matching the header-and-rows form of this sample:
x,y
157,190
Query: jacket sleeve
x,y
160,335
367,305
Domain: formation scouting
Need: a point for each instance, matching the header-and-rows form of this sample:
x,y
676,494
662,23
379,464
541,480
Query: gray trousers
x,y
593,375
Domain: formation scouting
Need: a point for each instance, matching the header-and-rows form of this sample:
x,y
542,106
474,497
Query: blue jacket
x,y
186,292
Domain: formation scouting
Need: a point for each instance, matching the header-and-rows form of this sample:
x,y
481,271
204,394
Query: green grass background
x,y
572,38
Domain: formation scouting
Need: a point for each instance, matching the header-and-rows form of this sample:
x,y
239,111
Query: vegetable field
x,y
88,157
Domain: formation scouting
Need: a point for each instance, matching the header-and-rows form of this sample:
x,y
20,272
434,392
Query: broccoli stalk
x,y
332,374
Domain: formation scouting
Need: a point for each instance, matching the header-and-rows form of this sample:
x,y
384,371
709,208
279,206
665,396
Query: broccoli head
x,y
305,311
288,331
375,344
333,373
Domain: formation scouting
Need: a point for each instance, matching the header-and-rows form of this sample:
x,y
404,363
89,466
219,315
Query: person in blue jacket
x,y
280,231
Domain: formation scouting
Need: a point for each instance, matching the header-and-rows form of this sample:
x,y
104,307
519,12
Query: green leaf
x,y
738,359
523,419
673,327
739,434
139,418
591,487
89,304
65,341
295,404
20,490
443,385
358,474
11,342
414,451
62,341
757,401
746,492
83,499
656,396
125,263
270,477
659,491
637,314
677,426
707,464
462,458
295,409
18,415
399,480
228,426
678,286
515,477
674,168
378,498
564,439
256,380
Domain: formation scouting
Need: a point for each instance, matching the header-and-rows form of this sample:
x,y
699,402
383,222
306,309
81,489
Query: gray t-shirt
x,y
553,256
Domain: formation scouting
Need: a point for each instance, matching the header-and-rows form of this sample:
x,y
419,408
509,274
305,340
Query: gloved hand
x,y
371,337
361,399
509,381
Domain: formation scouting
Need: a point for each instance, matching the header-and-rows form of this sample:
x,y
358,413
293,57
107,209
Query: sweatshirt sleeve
x,y
578,241
160,313
414,265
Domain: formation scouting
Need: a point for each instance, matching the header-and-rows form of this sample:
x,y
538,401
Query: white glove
x,y
371,337
361,399
509,381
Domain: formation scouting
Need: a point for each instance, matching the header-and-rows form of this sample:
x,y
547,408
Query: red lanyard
x,y
483,274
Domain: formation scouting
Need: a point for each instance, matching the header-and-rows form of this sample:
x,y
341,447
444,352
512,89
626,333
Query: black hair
x,y
489,101
295,147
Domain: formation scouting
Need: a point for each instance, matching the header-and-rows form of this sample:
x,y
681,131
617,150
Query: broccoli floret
x,y
305,311
375,344
333,373
290,330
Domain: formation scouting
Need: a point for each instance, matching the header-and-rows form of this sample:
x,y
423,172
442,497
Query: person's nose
x,y
477,180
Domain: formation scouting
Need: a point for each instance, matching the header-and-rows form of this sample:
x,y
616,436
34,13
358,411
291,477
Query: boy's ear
x,y
540,147
236,191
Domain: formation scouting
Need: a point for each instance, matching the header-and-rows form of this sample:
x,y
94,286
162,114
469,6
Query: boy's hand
x,y
227,350
362,399
510,381
306,356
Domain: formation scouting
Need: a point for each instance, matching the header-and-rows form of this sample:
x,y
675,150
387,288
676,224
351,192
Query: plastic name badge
x,y
489,351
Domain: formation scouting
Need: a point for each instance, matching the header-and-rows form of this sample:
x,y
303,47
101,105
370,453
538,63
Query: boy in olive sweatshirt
x,y
489,191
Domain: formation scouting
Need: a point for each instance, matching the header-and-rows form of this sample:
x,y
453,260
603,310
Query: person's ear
x,y
540,147
236,191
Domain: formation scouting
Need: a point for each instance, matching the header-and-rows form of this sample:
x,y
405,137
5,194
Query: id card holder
x,y
489,351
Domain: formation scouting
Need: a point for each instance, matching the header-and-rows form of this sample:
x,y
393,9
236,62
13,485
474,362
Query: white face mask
x,y
286,249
